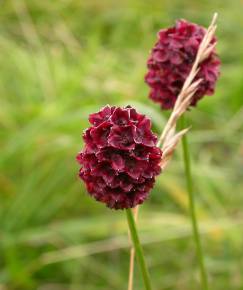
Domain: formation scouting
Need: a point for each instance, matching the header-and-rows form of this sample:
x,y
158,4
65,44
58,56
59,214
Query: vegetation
x,y
61,60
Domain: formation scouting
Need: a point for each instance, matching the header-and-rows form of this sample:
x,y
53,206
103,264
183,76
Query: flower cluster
x,y
120,159
171,60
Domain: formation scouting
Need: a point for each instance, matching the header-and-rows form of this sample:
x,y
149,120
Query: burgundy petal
x,y
122,137
120,117
143,134
100,134
103,115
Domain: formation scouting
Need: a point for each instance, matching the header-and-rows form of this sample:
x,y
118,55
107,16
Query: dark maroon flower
x,y
122,137
120,159
170,62
144,135
98,118
100,134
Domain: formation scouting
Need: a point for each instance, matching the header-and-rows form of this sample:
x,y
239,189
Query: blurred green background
x,y
61,60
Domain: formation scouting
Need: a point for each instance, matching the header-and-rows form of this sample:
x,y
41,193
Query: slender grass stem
x,y
192,209
132,255
138,249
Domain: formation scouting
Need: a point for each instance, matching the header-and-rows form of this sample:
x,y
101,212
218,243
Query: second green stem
x,y
196,234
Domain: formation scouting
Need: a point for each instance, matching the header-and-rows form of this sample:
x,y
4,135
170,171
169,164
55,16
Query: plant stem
x,y
132,255
192,209
138,249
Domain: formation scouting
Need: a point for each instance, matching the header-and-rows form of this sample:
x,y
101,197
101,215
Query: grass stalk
x,y
138,249
192,209
132,256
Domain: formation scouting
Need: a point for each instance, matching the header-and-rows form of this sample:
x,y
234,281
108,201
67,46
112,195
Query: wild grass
x,y
61,60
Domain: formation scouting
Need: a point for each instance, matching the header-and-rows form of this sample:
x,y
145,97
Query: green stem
x,y
138,249
195,228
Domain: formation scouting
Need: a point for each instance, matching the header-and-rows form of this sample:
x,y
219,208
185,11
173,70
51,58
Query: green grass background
x,y
61,60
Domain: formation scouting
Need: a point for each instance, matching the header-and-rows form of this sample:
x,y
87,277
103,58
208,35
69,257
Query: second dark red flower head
x,y
171,60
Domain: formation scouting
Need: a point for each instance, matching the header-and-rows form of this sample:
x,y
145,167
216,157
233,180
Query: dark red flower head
x,y
171,60
120,159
